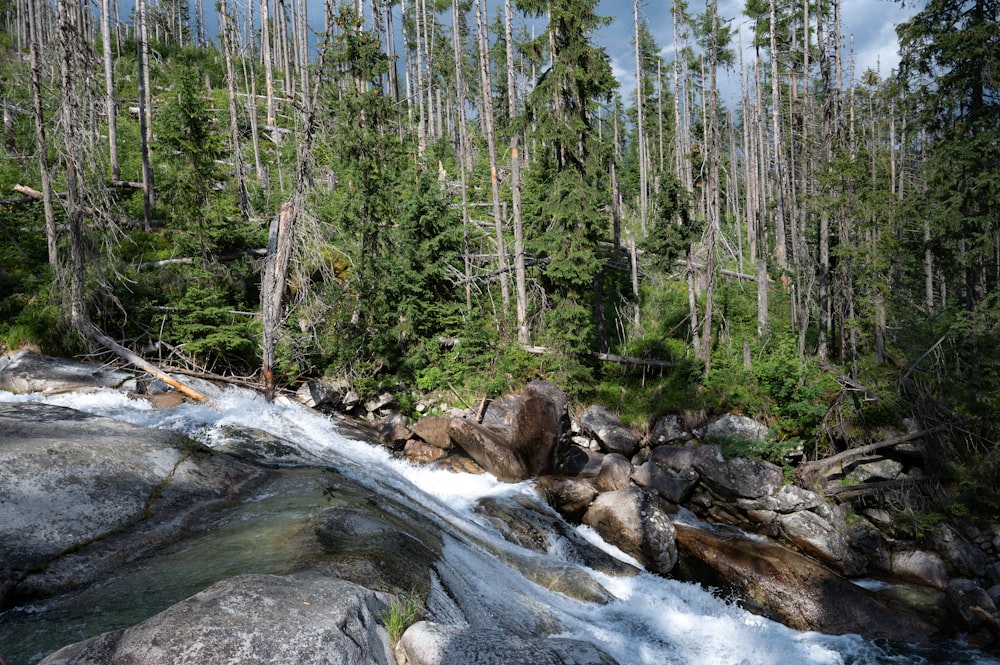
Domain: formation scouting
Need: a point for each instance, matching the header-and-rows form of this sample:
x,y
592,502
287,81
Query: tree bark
x,y
520,276
35,47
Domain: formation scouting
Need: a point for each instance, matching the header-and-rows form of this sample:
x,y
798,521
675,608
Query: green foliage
x,y
400,614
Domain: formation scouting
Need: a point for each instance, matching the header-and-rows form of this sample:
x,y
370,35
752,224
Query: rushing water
x,y
651,621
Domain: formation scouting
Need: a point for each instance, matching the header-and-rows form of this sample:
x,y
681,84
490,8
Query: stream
x,y
650,620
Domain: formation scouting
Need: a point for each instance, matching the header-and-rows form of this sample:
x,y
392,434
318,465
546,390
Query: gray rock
x,y
307,618
667,430
636,521
920,567
325,392
873,469
818,537
966,594
79,494
676,458
740,477
433,430
570,496
673,486
613,436
427,643
28,372
730,426
965,559
580,462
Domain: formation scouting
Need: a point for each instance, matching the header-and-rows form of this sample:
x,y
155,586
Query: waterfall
x,y
649,620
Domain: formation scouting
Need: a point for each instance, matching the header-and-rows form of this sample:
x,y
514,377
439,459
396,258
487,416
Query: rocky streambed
x,y
318,555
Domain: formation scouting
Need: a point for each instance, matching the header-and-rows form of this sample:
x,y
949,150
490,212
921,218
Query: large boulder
x,y
636,521
428,643
520,436
818,537
570,496
737,478
612,435
920,567
80,494
674,486
734,427
267,619
786,586
28,372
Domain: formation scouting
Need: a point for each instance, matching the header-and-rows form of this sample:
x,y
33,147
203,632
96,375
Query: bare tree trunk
x,y
35,47
145,116
486,81
463,146
643,172
109,86
520,277
712,195
268,59
228,36
780,250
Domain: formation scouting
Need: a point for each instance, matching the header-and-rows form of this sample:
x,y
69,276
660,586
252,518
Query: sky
x,y
870,22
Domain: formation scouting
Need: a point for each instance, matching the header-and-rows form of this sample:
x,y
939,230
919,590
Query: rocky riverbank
x,y
83,495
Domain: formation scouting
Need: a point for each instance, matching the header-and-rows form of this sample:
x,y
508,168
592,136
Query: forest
x,y
456,197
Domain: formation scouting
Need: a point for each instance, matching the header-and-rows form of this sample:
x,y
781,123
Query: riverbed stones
x,y
27,371
920,567
636,521
429,643
615,473
737,478
674,486
817,536
251,619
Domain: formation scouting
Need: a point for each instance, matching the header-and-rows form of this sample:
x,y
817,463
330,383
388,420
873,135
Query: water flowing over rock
x,y
250,619
636,521
427,643
75,486
613,436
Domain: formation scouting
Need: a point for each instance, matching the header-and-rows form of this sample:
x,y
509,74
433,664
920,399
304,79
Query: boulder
x,y
266,619
964,595
325,392
615,473
781,584
667,429
738,478
433,430
963,557
676,458
428,643
580,462
673,486
613,436
519,440
569,496
80,494
419,452
636,521
734,427
919,567
28,372
816,536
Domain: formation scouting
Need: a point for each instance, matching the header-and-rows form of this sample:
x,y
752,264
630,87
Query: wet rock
x,y
28,371
740,477
613,436
325,392
964,595
636,521
570,496
250,619
782,584
615,473
80,494
419,452
427,643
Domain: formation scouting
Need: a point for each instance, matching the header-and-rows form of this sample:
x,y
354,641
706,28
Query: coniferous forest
x,y
456,197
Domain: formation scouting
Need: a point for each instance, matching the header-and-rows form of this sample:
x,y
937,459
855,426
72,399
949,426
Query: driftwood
x,y
607,357
811,468
851,492
90,331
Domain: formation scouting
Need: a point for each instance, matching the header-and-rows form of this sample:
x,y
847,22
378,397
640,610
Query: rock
x,y
266,619
458,462
427,643
613,436
675,458
782,584
80,494
433,430
419,452
379,402
963,557
965,594
730,426
28,371
919,567
636,521
818,537
868,541
580,463
667,429
673,486
325,392
523,442
569,496
261,448
740,477
615,473
792,498
873,469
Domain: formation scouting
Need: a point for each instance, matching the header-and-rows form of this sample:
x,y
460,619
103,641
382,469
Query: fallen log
x,y
811,468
